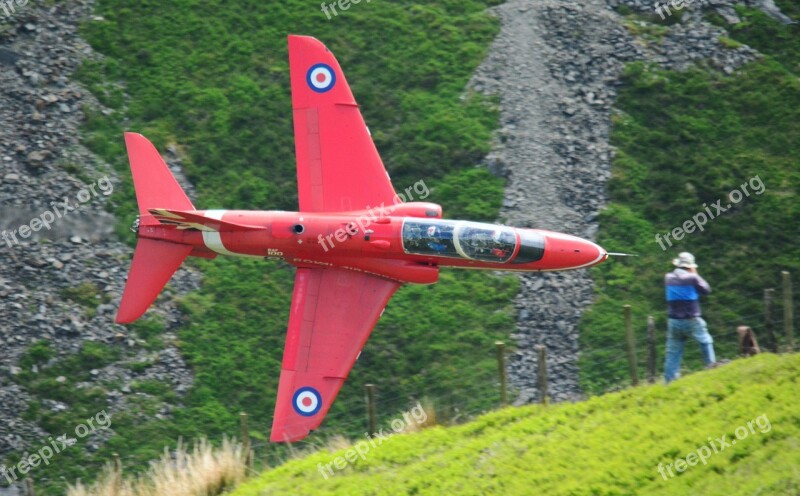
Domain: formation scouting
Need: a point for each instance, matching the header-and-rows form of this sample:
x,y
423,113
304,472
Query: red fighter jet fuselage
x,y
407,242
353,240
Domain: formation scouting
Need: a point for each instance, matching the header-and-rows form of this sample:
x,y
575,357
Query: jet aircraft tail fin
x,y
154,261
155,185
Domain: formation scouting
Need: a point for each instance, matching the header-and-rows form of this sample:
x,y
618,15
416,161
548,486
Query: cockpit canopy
x,y
462,239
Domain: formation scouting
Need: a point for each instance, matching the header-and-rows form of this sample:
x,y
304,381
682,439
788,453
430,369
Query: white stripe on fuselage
x,y
213,240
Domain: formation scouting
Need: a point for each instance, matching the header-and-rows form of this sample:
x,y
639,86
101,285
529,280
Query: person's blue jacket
x,y
683,293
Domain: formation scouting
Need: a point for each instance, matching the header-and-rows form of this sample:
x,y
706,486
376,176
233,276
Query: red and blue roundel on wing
x,y
321,78
307,401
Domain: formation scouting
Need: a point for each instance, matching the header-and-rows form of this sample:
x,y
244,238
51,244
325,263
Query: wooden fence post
x,y
372,422
788,311
117,472
769,334
541,378
631,342
245,429
651,349
501,366
29,490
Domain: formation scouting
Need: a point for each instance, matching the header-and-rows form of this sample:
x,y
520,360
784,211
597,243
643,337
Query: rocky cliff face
x,y
47,178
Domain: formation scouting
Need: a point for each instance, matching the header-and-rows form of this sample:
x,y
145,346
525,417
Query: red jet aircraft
x,y
353,241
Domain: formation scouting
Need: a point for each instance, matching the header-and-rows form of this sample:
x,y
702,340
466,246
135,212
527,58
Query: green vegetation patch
x,y
611,444
87,295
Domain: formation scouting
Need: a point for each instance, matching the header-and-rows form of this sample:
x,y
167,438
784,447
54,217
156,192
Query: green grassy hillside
x,y
608,445
684,141
211,78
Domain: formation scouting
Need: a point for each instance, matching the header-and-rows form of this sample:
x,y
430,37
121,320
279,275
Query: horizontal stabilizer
x,y
154,262
196,220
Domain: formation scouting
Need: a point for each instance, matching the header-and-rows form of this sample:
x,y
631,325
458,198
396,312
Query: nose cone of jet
x,y
571,252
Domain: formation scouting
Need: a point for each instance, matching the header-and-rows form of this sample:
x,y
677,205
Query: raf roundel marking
x,y
307,401
321,78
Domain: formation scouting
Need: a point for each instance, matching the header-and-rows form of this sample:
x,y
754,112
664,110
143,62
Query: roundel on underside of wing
x,y
321,78
307,401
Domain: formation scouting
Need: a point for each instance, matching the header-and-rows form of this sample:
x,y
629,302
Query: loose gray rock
x,y
40,118
556,65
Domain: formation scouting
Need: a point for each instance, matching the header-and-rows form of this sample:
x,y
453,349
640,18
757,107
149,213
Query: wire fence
x,y
636,357
610,367
607,368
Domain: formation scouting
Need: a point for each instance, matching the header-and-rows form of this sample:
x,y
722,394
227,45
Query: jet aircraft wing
x,y
332,315
338,166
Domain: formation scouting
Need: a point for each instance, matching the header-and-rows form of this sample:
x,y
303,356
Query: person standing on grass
x,y
684,287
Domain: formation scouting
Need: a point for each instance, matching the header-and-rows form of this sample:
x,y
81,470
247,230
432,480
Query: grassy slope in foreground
x,y
609,444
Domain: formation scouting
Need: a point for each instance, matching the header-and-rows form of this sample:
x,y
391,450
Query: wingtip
x,y
298,40
136,141
301,37
125,316
284,437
